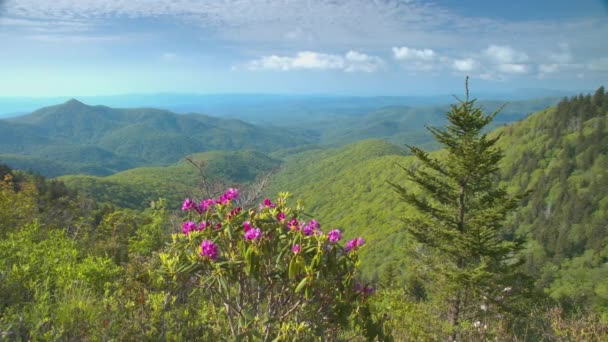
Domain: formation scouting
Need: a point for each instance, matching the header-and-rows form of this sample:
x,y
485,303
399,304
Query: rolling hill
x,y
560,153
99,140
137,187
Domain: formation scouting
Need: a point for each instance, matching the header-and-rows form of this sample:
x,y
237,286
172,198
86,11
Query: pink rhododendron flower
x,y
293,224
246,226
253,234
281,216
312,228
188,205
354,244
334,235
268,203
229,195
205,205
295,248
188,227
209,249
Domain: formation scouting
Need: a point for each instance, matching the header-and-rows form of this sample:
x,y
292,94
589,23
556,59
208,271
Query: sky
x,y
347,47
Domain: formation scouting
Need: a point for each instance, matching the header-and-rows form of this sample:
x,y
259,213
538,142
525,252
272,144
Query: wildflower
x,y
334,235
229,195
268,203
246,226
293,224
188,227
295,248
311,228
209,249
218,226
205,205
354,244
281,216
188,205
253,234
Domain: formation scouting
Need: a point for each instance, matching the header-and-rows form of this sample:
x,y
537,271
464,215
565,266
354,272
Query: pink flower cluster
x,y
354,244
229,195
253,234
209,250
334,236
189,226
207,204
267,204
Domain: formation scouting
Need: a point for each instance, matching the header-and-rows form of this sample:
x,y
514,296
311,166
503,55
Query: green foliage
x,y
277,285
136,188
460,218
49,290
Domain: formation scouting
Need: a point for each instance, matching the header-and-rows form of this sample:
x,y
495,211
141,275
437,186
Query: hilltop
x,y
77,138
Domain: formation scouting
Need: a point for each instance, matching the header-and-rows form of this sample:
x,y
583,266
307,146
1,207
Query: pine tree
x,y
461,212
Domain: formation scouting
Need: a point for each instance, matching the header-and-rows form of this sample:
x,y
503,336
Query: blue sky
x,y
360,47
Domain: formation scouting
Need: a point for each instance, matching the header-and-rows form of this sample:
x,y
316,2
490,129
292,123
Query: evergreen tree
x,y
460,217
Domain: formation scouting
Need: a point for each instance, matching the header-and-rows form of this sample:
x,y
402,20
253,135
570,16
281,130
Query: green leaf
x,y
301,284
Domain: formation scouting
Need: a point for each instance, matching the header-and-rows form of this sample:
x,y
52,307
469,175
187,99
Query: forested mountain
x,y
74,138
561,154
77,138
137,187
406,125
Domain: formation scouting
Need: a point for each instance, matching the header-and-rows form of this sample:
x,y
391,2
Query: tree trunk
x,y
453,316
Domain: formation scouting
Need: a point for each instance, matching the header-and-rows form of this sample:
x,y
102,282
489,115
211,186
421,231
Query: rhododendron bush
x,y
270,272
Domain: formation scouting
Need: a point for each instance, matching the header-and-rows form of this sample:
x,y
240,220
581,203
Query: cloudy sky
x,y
362,47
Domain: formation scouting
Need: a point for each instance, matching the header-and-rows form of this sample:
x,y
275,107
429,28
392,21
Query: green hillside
x,y
98,140
136,188
406,125
560,153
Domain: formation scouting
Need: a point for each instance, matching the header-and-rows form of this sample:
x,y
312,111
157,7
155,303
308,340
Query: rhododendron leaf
x,y
292,268
301,284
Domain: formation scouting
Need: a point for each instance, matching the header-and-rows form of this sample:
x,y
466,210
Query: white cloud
x,y
357,61
404,53
512,68
503,54
464,65
352,61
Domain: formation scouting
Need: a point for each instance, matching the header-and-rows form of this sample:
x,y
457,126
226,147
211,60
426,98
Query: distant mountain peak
x,y
74,102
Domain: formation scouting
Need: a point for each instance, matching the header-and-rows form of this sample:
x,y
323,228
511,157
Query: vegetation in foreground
x,y
75,270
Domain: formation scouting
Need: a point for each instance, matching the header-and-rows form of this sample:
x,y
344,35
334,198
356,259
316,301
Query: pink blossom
x,y
268,203
209,249
295,248
281,216
188,205
312,228
334,235
205,205
246,226
229,195
253,234
293,224
354,244
188,227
